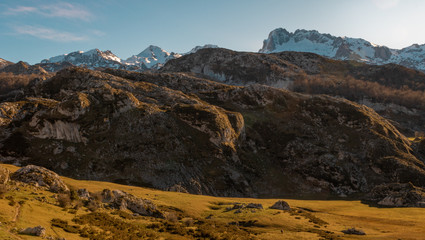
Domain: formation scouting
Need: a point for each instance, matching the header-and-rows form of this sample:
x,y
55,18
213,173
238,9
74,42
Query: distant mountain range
x,y
279,40
153,57
343,48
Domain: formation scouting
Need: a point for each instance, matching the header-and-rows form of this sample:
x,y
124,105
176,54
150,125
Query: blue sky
x,y
31,30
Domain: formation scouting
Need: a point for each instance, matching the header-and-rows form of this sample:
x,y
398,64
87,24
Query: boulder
x,y
254,205
41,177
83,194
4,175
353,231
35,231
281,205
121,200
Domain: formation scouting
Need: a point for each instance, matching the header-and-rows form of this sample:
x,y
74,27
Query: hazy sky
x,y
32,30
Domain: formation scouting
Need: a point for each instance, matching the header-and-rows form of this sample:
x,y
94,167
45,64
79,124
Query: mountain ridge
x,y
343,48
153,57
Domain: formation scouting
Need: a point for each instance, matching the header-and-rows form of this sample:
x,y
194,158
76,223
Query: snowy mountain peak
x,y
343,48
197,48
152,57
92,59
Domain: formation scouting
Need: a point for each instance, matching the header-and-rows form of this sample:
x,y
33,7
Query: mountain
x,y
92,59
4,63
197,48
177,131
152,57
392,90
23,68
343,48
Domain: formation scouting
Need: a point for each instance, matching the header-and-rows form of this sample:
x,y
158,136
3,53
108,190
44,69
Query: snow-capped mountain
x,y
343,48
91,59
197,48
151,57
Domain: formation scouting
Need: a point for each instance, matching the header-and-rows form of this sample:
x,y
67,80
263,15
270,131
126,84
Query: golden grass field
x,y
309,219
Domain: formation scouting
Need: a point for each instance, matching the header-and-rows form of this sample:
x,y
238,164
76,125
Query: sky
x,y
32,30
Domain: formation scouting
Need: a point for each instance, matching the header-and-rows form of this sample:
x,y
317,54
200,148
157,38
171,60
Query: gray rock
x,y
35,231
353,231
41,177
121,200
83,194
254,205
281,205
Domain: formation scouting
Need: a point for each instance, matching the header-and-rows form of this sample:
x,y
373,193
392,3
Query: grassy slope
x,y
377,223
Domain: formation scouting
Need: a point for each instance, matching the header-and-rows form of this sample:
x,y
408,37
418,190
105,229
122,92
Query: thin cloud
x,y
48,33
58,10
386,4
20,10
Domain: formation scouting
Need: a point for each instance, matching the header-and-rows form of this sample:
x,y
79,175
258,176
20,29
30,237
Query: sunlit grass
x,y
309,220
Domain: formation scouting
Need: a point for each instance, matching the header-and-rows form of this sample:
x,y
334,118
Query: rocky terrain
x,y
23,68
343,48
176,131
4,63
394,91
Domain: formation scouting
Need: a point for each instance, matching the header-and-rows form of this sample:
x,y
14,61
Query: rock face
x,y
4,175
166,129
311,73
343,48
122,200
41,177
398,195
281,205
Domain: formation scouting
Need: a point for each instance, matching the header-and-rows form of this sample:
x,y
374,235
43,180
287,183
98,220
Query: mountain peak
x,y
342,48
152,57
195,49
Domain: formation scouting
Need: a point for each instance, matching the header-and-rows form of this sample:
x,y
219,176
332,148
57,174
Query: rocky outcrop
x,y
397,195
165,130
122,200
4,63
4,175
23,68
353,231
38,231
41,177
281,205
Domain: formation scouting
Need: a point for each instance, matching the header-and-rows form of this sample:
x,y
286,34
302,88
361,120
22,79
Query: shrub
x,y
64,200
3,190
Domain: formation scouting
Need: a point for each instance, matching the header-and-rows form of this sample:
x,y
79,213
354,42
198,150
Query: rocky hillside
x,y
23,68
4,63
343,48
178,132
394,91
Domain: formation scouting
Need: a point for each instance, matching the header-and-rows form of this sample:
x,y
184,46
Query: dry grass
x,y
310,219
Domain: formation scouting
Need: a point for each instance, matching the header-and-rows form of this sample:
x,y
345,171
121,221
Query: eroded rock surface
x,y
398,195
41,177
122,200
